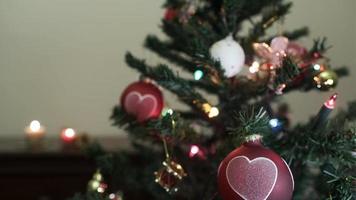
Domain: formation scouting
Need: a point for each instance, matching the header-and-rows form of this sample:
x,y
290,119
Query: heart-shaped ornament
x,y
252,179
141,106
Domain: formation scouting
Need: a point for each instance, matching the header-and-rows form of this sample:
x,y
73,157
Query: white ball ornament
x,y
230,55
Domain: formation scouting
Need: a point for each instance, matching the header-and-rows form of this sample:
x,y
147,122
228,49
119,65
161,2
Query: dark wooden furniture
x,y
53,172
43,175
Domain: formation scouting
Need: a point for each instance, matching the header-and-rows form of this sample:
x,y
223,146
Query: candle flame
x,y
69,133
35,126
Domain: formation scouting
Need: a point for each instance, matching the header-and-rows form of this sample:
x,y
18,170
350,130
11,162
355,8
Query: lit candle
x,y
35,130
68,135
34,134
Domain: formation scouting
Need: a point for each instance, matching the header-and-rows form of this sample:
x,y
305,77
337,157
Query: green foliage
x,y
321,160
251,122
287,72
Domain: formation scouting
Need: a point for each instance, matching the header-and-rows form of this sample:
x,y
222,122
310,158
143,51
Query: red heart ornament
x,y
141,106
143,100
246,176
252,172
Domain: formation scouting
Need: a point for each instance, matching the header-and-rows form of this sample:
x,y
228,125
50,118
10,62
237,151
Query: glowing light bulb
x,y
255,67
35,126
69,132
273,122
167,111
329,82
331,102
198,74
194,149
112,196
317,67
68,135
214,111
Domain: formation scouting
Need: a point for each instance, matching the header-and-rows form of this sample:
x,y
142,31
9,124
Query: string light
x,y
211,111
276,125
331,102
214,112
255,67
198,74
167,111
102,187
112,196
274,122
280,88
324,112
194,150
316,67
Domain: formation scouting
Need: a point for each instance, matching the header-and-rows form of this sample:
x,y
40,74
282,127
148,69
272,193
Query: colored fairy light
x,y
198,74
324,112
316,67
331,102
274,122
280,88
167,111
194,150
276,125
214,111
255,67
112,196
210,110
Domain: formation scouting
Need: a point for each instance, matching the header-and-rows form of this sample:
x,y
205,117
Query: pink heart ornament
x,y
252,179
141,106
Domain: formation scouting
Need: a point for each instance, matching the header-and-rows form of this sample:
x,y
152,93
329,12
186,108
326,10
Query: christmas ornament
x,y
170,174
326,80
97,184
142,100
274,52
253,172
296,51
230,55
324,112
170,14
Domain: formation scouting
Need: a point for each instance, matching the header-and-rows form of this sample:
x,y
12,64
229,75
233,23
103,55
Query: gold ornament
x,y
97,184
170,175
326,80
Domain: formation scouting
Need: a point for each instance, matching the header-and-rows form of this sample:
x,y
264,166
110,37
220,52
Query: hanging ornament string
x,y
165,147
170,174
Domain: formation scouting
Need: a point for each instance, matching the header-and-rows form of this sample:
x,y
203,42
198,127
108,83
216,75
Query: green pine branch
x,y
167,79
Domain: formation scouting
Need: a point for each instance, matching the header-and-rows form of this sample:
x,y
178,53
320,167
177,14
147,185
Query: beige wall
x,y
61,61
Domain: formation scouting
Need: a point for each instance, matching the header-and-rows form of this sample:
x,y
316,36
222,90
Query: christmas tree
x,y
243,146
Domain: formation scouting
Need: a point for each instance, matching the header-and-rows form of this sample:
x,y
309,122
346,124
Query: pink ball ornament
x,y
253,172
143,100
279,43
296,50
